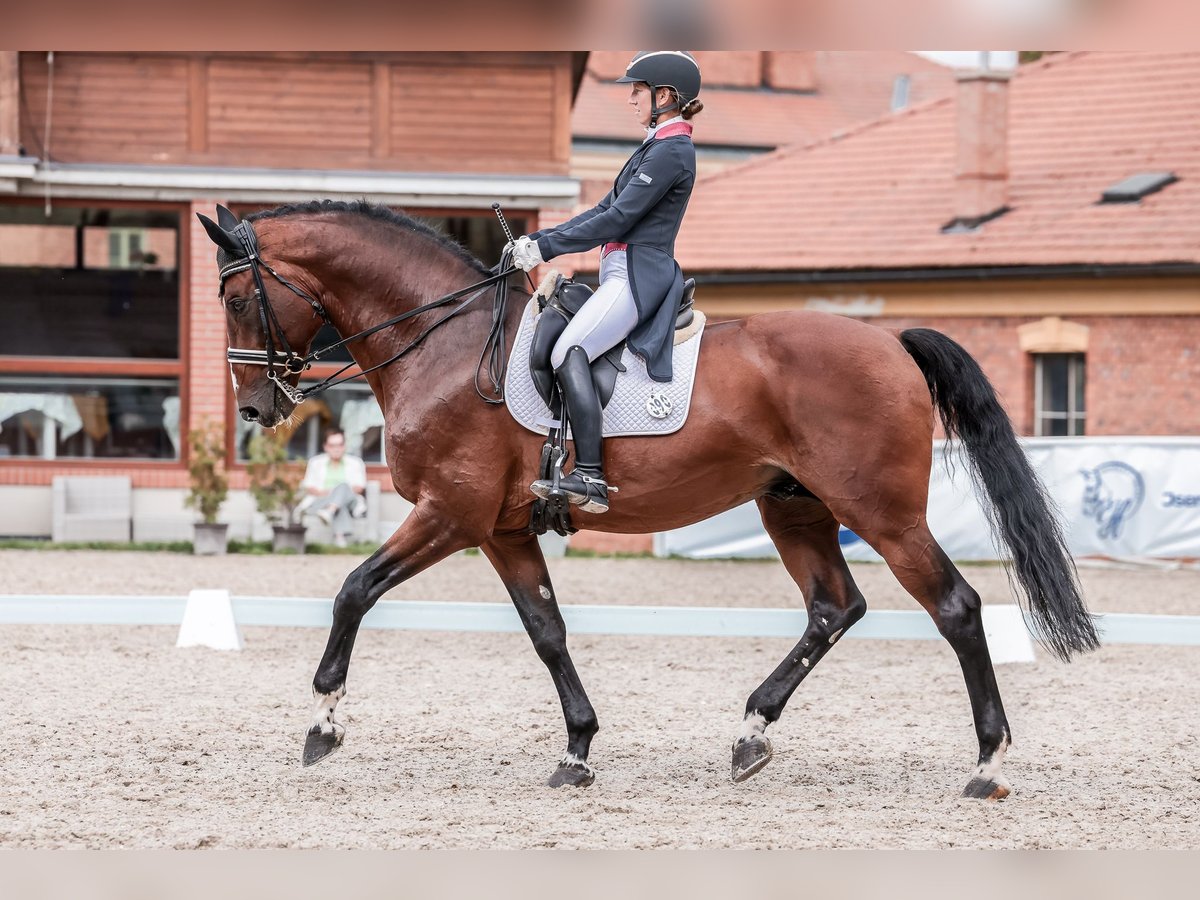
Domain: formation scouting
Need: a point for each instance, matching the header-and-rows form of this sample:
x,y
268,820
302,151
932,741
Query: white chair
x,y
92,509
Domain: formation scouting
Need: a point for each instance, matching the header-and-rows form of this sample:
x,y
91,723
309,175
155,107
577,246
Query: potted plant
x,y
209,487
275,483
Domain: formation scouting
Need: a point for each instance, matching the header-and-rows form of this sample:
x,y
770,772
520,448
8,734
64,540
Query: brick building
x,y
114,343
1049,221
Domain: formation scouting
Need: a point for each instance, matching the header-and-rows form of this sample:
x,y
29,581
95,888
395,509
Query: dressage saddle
x,y
565,298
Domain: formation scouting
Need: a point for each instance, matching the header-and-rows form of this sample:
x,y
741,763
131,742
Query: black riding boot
x,y
584,486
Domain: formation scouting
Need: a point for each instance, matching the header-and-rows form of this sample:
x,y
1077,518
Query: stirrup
x,y
593,498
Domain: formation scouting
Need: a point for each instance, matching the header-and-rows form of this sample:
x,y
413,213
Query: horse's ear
x,y
220,236
226,219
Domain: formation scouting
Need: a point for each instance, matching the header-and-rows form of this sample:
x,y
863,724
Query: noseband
x,y
291,363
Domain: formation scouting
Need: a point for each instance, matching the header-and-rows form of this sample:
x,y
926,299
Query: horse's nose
x,y
249,413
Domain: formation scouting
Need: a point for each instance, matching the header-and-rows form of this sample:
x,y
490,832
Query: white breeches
x,y
606,319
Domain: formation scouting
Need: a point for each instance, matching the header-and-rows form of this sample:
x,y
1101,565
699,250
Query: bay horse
x,y
818,418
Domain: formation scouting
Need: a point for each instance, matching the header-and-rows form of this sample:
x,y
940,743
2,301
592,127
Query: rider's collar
x,y
650,132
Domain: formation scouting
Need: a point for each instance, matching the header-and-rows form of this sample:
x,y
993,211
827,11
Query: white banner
x,y
1135,497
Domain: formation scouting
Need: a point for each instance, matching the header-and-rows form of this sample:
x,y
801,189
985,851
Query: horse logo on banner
x,y
1112,494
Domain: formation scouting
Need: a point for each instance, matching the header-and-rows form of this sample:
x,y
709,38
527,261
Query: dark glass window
x,y
89,282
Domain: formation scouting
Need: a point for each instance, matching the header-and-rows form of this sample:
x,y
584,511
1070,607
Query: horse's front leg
x,y
423,539
519,562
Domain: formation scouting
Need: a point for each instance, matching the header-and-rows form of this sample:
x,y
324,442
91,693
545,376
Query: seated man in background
x,y
335,482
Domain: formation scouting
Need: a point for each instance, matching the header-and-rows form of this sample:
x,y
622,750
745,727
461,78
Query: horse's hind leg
x,y
928,574
805,533
519,562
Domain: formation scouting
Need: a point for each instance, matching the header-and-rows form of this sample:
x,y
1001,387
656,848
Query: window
x,y
89,418
1058,394
350,407
90,367
90,282
900,91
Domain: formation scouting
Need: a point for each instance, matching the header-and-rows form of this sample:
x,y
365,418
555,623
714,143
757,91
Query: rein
x,y
293,363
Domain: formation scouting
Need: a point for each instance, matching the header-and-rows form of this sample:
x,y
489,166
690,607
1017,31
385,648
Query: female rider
x,y
640,282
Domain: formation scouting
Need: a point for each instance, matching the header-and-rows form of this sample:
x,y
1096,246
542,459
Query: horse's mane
x,y
379,214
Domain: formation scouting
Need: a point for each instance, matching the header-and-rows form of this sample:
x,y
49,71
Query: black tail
x,y
1020,510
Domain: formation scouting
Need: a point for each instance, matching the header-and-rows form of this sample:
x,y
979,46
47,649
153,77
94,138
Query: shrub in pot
x,y
209,487
275,485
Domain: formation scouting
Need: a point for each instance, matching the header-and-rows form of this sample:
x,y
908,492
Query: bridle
x,y
291,363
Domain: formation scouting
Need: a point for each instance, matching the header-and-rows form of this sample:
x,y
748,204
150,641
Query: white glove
x,y
526,254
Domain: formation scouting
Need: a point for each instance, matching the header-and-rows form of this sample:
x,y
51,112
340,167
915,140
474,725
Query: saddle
x,y
565,298
559,300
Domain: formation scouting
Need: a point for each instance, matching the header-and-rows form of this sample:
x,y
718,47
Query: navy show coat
x,y
644,210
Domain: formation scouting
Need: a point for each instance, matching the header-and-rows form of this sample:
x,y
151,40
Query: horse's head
x,y
270,321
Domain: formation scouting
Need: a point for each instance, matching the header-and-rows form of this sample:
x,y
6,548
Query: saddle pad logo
x,y
658,405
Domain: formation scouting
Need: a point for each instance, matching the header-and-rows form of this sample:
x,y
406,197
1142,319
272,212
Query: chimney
x,y
981,173
10,123
790,70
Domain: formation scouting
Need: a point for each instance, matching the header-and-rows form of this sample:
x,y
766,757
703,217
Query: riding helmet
x,y
676,69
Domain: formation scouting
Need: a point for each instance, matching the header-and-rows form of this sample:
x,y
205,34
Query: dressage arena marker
x,y
208,621
673,621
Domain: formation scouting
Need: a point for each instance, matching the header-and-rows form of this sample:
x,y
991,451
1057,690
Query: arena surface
x,y
117,739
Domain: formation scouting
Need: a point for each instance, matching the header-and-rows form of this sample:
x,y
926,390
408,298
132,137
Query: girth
x,y
562,300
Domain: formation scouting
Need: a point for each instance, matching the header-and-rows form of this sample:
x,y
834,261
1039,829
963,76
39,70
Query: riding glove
x,y
526,254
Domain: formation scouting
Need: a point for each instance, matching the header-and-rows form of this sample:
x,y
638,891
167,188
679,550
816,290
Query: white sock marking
x,y
990,769
571,761
754,725
323,710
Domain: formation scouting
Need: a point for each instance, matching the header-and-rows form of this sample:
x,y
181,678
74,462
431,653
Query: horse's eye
x,y
237,304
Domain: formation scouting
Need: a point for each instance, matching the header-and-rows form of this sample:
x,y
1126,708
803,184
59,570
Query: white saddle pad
x,y
639,405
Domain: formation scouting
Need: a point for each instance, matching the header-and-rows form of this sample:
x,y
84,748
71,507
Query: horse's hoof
x,y
749,756
319,744
572,774
985,789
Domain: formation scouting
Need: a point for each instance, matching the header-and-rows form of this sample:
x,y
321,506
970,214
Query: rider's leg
x,y
604,321
585,485
607,318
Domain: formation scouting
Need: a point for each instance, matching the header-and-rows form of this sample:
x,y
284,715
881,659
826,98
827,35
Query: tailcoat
x,y
644,210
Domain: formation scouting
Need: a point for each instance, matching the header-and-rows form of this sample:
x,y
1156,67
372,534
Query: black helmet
x,y
676,69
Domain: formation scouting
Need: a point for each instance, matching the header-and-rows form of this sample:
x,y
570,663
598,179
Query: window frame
x,y
1073,415
115,366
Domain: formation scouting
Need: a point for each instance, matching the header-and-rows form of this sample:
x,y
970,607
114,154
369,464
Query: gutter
x,y
442,189
977,273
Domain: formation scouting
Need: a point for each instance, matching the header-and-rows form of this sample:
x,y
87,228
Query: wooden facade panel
x,y
260,107
476,111
499,112
106,107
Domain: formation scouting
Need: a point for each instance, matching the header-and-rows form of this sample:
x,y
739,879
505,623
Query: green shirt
x,y
335,474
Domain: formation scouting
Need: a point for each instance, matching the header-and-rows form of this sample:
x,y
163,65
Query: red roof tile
x,y
877,197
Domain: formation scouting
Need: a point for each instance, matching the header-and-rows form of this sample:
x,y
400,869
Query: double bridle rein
x,y
291,363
